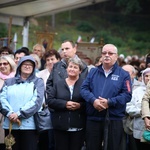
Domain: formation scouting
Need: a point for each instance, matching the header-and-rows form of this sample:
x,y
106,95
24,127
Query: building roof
x,y
20,10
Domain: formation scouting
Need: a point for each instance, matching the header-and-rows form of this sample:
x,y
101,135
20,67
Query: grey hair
x,y
37,60
42,47
130,67
115,48
10,60
76,61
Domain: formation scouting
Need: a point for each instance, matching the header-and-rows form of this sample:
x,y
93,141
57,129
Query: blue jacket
x,y
23,97
116,87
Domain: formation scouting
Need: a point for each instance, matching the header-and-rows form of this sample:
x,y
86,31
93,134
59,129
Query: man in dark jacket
x,y
106,90
59,69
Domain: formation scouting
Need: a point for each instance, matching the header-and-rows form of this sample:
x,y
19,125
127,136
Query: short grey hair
x,y
112,45
132,69
76,61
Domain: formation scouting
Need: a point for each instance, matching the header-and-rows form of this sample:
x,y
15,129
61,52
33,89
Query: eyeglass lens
x,y
4,64
109,53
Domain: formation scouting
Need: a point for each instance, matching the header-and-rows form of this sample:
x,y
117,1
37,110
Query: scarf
x,y
4,77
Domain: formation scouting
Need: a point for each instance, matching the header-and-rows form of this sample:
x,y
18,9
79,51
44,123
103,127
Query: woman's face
x,y
146,77
27,68
50,61
73,70
4,53
5,67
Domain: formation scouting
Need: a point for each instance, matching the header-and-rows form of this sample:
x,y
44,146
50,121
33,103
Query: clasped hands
x,y
13,117
100,104
72,105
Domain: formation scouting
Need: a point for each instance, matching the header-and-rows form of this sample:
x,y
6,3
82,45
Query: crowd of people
x,y
87,101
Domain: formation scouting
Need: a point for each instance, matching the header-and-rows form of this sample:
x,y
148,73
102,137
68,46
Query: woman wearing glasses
x,y
21,97
7,70
7,67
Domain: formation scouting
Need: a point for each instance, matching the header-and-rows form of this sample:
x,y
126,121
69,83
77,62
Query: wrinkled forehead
x,y
109,47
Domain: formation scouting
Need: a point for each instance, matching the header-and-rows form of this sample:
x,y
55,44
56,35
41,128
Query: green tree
x,y
3,30
129,6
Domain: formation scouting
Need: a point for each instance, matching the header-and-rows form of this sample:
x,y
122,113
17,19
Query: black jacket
x,y
62,118
59,72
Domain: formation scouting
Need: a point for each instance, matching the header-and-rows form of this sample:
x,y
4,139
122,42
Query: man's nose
x,y
64,51
107,54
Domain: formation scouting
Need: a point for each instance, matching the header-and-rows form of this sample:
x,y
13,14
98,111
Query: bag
x,y
43,119
128,124
146,135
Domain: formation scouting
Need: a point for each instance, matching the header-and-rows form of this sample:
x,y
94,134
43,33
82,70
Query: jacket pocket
x,y
59,120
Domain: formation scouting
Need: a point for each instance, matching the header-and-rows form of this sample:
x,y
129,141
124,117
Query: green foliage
x,y
129,6
140,36
130,34
3,30
64,37
103,34
85,26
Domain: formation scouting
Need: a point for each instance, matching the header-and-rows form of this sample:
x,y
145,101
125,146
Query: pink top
x,y
4,77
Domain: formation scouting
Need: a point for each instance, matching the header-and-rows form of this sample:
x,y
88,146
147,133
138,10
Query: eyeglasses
x,y
27,65
4,64
109,53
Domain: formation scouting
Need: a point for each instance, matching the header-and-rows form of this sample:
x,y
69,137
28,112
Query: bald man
x,y
131,70
106,91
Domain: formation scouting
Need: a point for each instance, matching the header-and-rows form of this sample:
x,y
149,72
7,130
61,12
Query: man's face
x,y
129,70
109,55
18,56
38,51
68,50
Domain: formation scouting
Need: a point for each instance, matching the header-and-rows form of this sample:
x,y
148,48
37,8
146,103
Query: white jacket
x,y
44,74
133,108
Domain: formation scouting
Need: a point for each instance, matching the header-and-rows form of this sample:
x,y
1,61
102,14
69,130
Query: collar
x,y
107,72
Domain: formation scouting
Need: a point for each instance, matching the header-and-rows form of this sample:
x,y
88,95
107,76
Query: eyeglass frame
x,y
4,64
28,65
109,53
